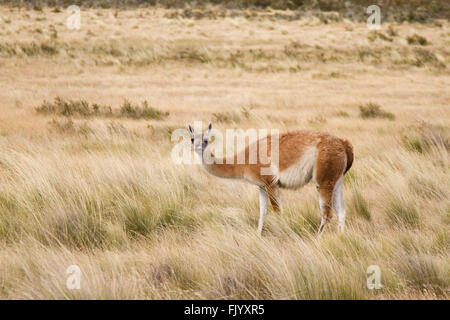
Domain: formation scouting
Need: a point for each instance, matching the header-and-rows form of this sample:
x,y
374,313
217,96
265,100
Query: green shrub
x,y
373,110
416,39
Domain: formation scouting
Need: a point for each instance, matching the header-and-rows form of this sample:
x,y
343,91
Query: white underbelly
x,y
301,172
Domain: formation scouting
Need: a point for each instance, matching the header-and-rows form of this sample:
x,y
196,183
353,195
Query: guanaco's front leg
x,y
263,201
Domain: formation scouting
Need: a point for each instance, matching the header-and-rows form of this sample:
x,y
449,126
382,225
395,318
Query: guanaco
x,y
303,156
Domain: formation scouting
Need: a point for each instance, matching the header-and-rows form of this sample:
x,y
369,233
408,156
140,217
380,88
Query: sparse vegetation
x,y
82,108
326,10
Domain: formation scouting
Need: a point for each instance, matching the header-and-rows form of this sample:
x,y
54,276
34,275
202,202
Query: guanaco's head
x,y
200,140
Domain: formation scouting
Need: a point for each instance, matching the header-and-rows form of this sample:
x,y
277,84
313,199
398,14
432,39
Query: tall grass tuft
x,y
402,214
359,204
425,272
425,137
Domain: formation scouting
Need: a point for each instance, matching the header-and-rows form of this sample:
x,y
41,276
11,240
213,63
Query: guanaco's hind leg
x,y
330,165
332,198
338,203
325,204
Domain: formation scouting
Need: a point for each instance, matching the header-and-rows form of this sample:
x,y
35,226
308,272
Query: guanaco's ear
x,y
191,130
208,131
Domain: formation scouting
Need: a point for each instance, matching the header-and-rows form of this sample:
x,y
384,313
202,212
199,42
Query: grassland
x,y
86,176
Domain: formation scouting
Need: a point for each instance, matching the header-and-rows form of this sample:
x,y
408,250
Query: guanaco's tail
x,y
349,150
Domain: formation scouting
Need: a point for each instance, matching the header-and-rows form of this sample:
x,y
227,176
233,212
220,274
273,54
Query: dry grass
x,y
89,179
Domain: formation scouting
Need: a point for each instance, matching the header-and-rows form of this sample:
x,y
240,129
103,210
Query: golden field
x,y
86,175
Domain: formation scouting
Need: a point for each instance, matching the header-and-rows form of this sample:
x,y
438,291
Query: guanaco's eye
x,y
192,140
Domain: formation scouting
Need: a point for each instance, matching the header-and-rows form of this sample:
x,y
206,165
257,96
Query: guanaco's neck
x,y
219,166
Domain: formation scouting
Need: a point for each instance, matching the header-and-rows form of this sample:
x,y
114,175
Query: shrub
x,y
34,49
423,56
69,108
226,117
342,113
65,107
376,34
417,40
145,111
152,113
373,110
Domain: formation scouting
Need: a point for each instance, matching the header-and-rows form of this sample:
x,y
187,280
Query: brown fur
x,y
349,151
